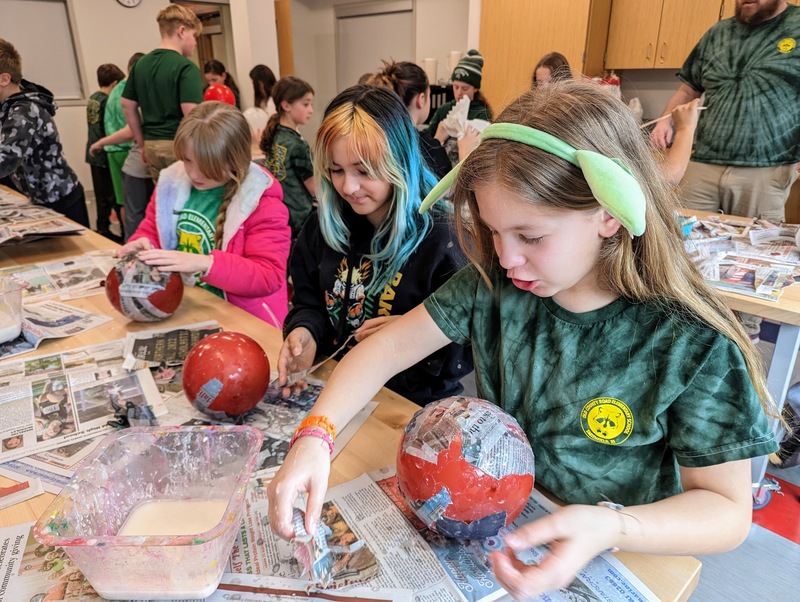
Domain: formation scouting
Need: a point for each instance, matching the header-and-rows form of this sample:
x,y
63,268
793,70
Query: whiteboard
x,y
363,40
39,30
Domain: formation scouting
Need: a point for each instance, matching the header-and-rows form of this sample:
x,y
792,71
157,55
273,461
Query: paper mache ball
x,y
465,467
225,374
142,292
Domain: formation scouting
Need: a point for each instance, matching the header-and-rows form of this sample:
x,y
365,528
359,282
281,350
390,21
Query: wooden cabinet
x,y
657,34
515,34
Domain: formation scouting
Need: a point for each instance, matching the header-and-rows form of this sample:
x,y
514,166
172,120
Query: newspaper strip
x,y
49,320
52,401
30,231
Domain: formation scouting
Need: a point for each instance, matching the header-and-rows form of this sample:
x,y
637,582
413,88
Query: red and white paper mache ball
x,y
225,374
142,292
465,467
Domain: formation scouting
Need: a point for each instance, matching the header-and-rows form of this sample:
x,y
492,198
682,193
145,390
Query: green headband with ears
x,y
612,184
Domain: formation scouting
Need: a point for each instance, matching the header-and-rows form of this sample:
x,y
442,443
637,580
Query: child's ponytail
x,y
288,89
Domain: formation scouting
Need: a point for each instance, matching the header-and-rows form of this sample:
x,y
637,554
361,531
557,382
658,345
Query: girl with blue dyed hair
x,y
368,256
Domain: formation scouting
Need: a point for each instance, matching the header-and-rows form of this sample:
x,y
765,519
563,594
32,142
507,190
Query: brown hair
x,y
558,65
108,73
263,81
134,59
220,138
10,61
289,89
175,15
651,268
408,80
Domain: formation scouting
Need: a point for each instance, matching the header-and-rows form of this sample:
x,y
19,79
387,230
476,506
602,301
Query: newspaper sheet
x,y
67,279
52,401
12,234
49,320
276,417
436,568
33,572
164,347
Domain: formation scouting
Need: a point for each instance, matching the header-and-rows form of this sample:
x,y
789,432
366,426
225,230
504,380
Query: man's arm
x,y
661,135
131,110
186,107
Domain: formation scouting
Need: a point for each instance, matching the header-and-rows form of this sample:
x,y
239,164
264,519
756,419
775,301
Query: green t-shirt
x,y
613,400
290,163
160,81
751,77
95,110
114,119
197,223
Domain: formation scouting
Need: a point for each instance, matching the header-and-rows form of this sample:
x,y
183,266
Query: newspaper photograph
x,y
49,320
52,401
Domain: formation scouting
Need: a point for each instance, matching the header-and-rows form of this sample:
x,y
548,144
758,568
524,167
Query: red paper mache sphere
x,y
220,92
225,374
465,467
142,292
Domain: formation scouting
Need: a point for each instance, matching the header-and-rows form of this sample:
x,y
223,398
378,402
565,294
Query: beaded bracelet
x,y
312,431
322,422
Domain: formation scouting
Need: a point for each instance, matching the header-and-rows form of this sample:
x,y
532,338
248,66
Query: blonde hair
x,y
651,268
220,138
175,15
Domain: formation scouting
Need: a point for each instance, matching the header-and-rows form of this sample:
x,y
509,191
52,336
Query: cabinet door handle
x,y
647,54
663,51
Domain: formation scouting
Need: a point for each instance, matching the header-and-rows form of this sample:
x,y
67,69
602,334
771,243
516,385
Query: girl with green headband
x,y
640,393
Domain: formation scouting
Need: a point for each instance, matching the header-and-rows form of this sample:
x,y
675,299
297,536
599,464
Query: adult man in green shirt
x,y
748,141
165,85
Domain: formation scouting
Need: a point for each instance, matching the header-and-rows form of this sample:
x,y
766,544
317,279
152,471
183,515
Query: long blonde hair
x,y
651,268
220,137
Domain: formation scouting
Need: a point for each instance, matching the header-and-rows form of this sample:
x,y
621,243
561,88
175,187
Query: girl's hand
x,y
140,244
176,261
297,353
685,116
305,470
372,326
575,535
96,148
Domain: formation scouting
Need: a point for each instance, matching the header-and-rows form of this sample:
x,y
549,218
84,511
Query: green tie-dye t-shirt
x,y
613,400
751,77
197,223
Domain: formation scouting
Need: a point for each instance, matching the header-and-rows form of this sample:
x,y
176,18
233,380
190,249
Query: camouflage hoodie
x,y
30,149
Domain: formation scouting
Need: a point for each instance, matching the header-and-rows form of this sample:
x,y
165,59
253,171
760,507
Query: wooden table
x,y
374,445
786,313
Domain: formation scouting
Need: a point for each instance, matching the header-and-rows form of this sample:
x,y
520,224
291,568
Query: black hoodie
x,y
329,298
30,149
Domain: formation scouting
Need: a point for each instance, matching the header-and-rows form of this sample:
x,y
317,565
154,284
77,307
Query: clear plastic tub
x,y
139,465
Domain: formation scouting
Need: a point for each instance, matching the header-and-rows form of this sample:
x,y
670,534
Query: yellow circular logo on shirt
x,y
786,45
607,420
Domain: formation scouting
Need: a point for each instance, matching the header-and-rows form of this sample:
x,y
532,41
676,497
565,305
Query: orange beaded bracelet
x,y
322,422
